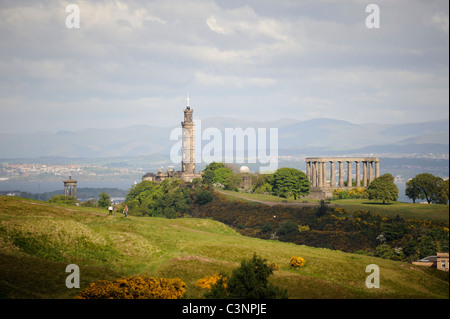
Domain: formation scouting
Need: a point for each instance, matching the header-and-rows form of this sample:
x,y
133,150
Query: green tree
x,y
383,188
232,181
443,192
427,186
249,281
287,229
220,175
204,197
287,182
104,200
412,191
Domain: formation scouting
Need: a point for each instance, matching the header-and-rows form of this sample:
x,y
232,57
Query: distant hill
x,y
294,136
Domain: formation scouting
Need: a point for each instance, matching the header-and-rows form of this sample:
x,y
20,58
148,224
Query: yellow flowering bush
x,y
135,287
297,262
209,281
273,266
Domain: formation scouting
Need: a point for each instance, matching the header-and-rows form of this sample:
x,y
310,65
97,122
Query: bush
x,y
209,281
204,197
135,287
62,199
297,262
249,281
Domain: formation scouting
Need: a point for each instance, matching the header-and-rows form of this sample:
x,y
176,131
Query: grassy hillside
x,y
38,240
436,212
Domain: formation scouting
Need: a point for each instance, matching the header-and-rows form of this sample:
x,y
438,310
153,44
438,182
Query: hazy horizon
x,y
133,63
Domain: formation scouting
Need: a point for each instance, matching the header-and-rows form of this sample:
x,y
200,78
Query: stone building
x,y
322,187
440,261
187,172
70,187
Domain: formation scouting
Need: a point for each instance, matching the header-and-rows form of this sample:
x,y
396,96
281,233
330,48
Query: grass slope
x,y
38,240
436,212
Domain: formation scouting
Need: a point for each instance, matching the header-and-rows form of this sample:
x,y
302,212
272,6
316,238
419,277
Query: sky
x,y
133,62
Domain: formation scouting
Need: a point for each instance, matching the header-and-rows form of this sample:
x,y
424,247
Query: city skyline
x,y
132,63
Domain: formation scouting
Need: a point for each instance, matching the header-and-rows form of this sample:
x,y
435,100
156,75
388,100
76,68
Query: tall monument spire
x,y
188,144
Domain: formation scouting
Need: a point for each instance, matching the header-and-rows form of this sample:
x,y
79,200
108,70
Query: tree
x,y
249,281
232,181
412,191
287,229
288,182
221,174
443,192
425,186
209,172
104,200
383,188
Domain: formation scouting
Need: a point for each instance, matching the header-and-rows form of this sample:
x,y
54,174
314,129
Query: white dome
x,y
244,169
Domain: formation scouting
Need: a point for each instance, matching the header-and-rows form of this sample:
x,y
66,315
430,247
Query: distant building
x,y
188,153
440,261
70,187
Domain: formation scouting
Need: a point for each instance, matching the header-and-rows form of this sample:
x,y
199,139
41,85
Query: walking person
x,y
110,209
115,209
125,211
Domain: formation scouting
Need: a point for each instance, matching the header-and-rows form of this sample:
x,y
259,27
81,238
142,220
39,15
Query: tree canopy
x,y
427,186
383,188
287,182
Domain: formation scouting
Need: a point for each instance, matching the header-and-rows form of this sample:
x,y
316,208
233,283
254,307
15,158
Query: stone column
x,y
349,173
308,170
332,182
324,171
370,172
319,174
377,169
341,174
358,177
313,175
364,173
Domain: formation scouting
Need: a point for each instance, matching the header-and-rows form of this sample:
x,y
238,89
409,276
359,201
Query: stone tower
x,y
188,147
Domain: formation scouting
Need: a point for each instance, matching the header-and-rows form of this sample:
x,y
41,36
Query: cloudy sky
x,y
133,62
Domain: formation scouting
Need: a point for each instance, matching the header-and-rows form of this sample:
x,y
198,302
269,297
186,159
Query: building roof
x,y
429,259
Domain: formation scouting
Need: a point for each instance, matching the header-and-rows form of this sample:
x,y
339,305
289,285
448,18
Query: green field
x,y
38,240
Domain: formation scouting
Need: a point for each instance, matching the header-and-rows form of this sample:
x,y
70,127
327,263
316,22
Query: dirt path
x,y
271,203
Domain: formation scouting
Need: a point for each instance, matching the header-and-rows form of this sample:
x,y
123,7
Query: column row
x,y
316,172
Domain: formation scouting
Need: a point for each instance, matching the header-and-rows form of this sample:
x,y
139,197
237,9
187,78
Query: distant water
x,y
39,188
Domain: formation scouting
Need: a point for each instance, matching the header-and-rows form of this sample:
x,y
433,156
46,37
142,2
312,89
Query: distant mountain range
x,y
316,137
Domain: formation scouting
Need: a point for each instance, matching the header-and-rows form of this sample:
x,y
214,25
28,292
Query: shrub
x,y
249,281
135,287
204,197
208,281
62,199
274,266
297,262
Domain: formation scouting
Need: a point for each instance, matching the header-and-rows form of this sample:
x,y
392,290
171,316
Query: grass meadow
x,y
38,240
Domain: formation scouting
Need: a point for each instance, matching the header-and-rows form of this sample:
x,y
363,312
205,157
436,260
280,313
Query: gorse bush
x,y
353,193
297,262
209,281
135,287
